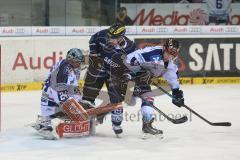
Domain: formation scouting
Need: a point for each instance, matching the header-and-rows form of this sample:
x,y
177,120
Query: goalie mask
x,y
75,57
172,47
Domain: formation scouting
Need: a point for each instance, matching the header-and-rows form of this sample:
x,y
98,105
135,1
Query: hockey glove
x,y
95,61
126,77
178,99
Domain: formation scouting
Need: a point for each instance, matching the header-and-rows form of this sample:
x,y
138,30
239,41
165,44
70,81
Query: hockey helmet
x,y
75,56
116,30
172,47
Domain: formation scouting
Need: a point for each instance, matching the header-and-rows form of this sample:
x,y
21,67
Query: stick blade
x,y
226,124
180,120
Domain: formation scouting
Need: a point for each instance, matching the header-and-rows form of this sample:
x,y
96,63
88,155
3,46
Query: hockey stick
x,y
76,112
175,121
191,110
83,68
129,92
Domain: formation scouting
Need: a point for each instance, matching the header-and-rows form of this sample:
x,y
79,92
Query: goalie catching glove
x,y
178,99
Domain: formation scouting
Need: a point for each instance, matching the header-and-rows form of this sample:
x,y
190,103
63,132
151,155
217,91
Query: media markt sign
x,y
175,14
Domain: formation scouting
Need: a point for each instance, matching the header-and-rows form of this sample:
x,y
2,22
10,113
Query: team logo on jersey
x,y
110,62
155,58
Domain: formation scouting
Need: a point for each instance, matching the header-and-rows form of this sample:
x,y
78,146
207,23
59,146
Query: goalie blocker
x,y
81,121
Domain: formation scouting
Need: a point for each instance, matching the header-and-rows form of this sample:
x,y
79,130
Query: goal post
x,y
0,89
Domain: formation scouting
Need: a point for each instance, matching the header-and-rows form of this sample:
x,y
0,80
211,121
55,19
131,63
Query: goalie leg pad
x,y
67,129
74,129
74,110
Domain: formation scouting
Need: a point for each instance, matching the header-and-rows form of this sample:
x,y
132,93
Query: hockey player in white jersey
x,y
156,61
61,83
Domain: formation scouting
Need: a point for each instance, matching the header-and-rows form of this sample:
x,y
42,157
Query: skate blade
x,y
118,135
151,136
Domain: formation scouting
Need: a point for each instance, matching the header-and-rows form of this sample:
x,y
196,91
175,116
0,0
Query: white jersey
x,y
219,7
151,58
62,83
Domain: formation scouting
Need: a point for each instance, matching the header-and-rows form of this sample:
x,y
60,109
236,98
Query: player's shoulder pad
x,y
131,45
67,68
98,36
151,48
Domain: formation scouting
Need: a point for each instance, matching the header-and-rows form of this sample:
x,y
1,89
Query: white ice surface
x,y
193,140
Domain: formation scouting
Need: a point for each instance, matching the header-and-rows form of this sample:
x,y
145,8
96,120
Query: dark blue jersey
x,y
101,47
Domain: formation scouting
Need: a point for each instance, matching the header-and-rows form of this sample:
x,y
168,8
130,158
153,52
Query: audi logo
x,y
54,30
195,30
128,29
162,30
91,30
231,29
20,30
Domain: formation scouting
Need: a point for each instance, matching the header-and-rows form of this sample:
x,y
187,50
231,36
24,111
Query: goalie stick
x,y
81,121
194,112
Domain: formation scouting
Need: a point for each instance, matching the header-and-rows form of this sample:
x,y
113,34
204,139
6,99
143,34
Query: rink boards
x,y
204,59
30,86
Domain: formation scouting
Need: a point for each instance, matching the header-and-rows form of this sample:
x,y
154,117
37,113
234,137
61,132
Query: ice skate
x,y
117,130
149,131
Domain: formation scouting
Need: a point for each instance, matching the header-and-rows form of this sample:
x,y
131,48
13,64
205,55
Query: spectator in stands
x,y
184,1
123,18
219,11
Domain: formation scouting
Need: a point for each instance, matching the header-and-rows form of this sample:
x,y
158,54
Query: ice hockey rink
x,y
194,139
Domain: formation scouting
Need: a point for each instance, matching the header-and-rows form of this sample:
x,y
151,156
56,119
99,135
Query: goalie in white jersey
x,y
156,61
61,83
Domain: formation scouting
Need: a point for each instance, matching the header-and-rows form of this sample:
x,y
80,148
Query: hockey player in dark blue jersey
x,y
103,46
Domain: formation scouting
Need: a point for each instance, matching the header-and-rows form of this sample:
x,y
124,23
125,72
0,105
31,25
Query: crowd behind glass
x,y
73,12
